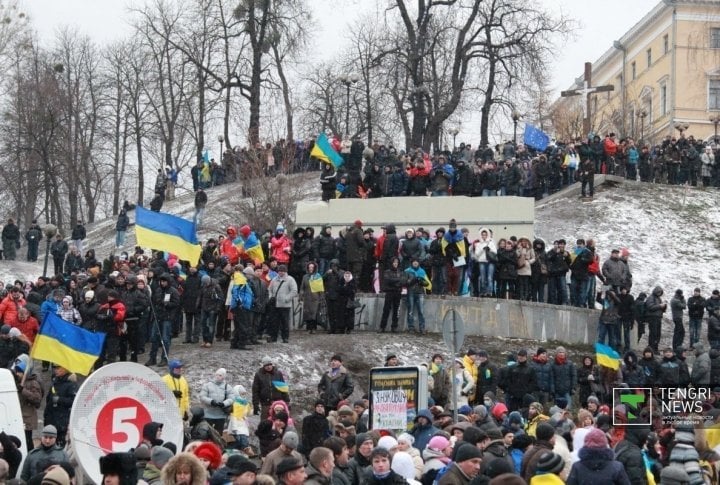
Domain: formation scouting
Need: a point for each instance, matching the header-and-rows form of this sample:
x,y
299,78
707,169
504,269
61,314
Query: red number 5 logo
x,y
120,423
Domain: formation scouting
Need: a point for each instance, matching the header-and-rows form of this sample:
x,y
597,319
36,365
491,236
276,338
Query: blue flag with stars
x,y
535,138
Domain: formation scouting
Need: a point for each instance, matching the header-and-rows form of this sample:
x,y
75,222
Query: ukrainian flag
x,y
168,233
325,152
281,386
67,345
606,356
251,247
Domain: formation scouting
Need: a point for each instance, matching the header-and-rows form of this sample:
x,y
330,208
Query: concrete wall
x,y
506,216
491,317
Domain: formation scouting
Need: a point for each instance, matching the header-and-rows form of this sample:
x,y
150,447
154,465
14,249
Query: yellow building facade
x,y
666,76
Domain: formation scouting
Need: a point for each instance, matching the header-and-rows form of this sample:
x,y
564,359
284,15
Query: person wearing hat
x,y
30,393
282,290
677,308
217,395
290,471
119,469
696,311
466,466
417,283
48,450
33,236
59,401
391,360
355,248
364,445
336,384
520,380
240,472
184,469
393,279
111,320
564,375
210,456
615,271
280,246
178,385
597,464
315,428
10,306
454,250
545,440
55,475
159,457
548,470
166,305
264,392
12,343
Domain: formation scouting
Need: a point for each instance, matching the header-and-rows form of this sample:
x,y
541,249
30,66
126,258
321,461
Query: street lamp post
x,y
50,230
515,117
454,132
643,114
348,80
715,119
221,139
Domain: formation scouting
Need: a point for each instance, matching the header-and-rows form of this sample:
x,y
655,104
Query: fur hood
x,y
200,476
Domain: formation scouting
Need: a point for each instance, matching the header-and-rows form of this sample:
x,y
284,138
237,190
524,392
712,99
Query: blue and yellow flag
x,y
167,232
325,152
606,356
67,345
251,247
281,386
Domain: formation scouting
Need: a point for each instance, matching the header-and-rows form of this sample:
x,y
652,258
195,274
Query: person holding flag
x,y
268,386
249,246
59,402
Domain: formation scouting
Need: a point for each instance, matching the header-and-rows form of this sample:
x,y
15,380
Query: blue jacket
x,y
423,434
544,375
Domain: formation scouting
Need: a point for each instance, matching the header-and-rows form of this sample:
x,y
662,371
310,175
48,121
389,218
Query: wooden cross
x,y
586,91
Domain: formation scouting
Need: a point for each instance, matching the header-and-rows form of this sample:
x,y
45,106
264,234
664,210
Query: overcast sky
x,y
600,23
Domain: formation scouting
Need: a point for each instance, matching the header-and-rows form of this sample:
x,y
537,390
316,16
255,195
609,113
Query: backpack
x,y
243,295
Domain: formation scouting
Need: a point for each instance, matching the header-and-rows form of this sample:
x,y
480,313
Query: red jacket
x,y
280,248
29,327
9,309
118,310
610,147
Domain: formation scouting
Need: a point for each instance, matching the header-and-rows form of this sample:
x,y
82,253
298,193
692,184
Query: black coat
x,y
123,222
79,232
263,391
58,413
11,232
191,294
59,248
597,466
333,389
315,429
520,380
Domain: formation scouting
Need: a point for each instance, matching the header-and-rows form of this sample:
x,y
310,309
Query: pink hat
x,y
596,439
438,443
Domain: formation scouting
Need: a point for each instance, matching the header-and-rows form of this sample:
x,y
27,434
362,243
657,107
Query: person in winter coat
x,y
49,450
597,464
696,310
184,469
324,249
525,259
191,306
633,374
558,264
328,182
440,391
677,307
166,304
701,370
315,428
506,269
10,239
355,248
211,299
217,395
10,306
346,304
539,272
264,392
331,282
121,226
543,374
111,318
654,309
564,376
393,281
423,429
336,384
201,200
33,236
31,394
464,384
416,281
59,401
280,245
78,235
629,453
58,250
282,291
68,312
88,311
615,271
520,380
684,453
487,376
485,254
410,248
361,459
178,385
300,254
311,296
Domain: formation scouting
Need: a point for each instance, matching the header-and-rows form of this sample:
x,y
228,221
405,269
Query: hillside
x,y
672,234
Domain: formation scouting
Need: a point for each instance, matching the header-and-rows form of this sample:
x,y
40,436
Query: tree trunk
x,y
290,136
487,104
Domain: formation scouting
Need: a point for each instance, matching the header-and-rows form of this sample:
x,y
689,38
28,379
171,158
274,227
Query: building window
x,y
663,99
666,44
649,57
633,70
715,38
714,94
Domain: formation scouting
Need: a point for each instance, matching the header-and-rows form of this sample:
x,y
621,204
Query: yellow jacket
x,y
179,384
470,366
531,426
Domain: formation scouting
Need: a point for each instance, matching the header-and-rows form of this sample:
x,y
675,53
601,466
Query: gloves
x,y
214,403
55,399
178,394
256,411
186,416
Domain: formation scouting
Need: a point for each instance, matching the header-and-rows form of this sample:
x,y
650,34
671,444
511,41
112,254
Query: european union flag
x,y
535,138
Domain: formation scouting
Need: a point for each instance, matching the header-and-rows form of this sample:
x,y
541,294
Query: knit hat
x,y
358,223
467,452
266,360
205,280
540,351
497,467
438,443
560,349
674,474
593,399
280,227
210,452
5,329
544,431
685,434
221,372
288,465
242,467
407,438
465,410
49,430
337,357
122,464
159,456
595,439
291,440
14,332
522,352
282,268
248,271
550,463
387,442
56,476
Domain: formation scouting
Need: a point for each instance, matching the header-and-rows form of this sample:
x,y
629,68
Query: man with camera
x,y
177,383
